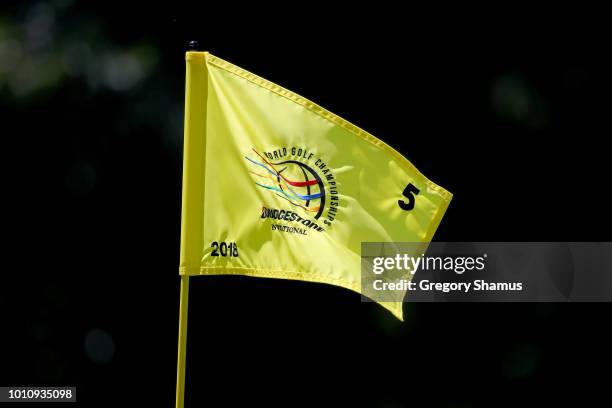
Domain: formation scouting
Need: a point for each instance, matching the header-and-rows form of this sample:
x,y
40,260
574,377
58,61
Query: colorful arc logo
x,y
291,180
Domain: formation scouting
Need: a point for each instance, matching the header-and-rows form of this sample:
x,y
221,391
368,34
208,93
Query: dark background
x,y
509,116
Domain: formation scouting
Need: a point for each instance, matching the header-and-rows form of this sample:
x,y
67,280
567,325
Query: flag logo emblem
x,y
291,180
300,178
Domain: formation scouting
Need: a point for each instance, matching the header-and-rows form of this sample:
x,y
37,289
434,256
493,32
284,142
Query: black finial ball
x,y
193,46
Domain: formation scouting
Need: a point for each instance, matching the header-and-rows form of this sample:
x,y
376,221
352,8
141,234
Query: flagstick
x,y
192,214
182,343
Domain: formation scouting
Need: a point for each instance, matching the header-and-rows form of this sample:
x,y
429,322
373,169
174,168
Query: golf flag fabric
x,y
276,186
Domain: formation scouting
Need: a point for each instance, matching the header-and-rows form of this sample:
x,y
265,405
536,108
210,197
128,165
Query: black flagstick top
x,y
193,46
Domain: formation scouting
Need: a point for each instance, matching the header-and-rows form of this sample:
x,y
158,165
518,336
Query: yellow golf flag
x,y
276,186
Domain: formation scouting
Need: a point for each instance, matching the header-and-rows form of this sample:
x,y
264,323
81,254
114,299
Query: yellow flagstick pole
x,y
182,342
192,217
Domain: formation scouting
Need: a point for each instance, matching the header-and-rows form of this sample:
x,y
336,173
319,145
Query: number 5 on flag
x,y
409,192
